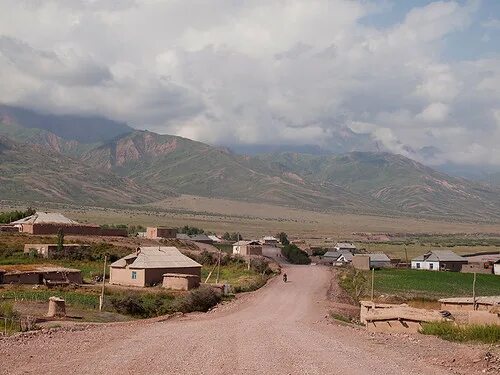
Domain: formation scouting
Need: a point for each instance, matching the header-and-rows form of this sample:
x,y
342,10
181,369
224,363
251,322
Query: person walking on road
x,y
285,277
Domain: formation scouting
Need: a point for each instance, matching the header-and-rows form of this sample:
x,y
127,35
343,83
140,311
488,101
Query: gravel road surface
x,y
280,329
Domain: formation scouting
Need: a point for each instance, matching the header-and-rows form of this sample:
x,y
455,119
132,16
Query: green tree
x,y
60,241
283,237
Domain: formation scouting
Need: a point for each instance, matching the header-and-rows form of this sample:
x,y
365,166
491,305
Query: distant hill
x,y
165,161
33,173
82,129
58,158
395,181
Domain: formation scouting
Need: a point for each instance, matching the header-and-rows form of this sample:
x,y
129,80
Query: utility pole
x,y
373,279
474,293
101,298
406,256
218,268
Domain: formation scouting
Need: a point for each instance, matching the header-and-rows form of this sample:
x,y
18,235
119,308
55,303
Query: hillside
x,y
190,167
395,181
32,173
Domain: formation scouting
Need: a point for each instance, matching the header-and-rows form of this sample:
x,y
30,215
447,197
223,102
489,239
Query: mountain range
x,y
89,160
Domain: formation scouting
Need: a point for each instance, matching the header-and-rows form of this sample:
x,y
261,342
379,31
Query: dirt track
x,y
280,329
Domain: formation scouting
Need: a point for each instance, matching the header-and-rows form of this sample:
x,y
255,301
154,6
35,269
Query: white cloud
x,y
284,71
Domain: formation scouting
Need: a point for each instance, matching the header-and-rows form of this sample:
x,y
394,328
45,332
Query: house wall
x,y
464,306
180,282
452,266
247,250
73,229
154,276
394,325
431,266
123,276
485,268
70,276
380,264
361,262
23,278
496,269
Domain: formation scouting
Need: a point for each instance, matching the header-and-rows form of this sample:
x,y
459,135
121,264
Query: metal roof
x,y
156,257
379,257
45,218
440,256
199,237
347,256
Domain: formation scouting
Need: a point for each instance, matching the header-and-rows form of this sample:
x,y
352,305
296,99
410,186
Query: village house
x,y
33,274
148,265
496,268
334,255
202,238
49,250
371,261
160,232
246,248
215,239
52,222
345,257
439,260
481,262
269,241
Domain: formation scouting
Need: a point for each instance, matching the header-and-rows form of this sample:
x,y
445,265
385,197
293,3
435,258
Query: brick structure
x,y
161,232
73,229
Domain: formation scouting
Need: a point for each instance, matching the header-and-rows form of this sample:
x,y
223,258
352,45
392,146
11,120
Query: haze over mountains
x,y
88,160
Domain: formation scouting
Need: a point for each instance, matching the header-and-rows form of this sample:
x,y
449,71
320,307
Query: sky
x,y
415,77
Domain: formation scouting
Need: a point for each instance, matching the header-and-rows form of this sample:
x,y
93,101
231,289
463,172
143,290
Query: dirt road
x,y
280,329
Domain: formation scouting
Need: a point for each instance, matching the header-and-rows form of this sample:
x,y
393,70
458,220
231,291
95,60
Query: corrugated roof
x,y
440,256
156,257
45,218
379,257
200,237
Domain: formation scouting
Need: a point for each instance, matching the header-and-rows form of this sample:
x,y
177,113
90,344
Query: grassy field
x,y
471,333
433,285
257,219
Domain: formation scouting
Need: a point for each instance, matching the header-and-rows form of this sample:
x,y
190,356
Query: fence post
x,y
474,293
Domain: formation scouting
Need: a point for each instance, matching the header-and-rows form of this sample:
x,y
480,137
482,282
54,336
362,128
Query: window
x,y
134,275
431,266
418,265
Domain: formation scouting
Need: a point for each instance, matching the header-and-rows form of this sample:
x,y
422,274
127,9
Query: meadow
x,y
411,284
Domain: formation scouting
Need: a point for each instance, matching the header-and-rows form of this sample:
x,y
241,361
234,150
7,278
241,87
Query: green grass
x,y
432,284
87,300
237,275
488,334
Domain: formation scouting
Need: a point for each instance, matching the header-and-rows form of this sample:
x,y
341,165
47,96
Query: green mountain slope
x,y
164,161
395,181
34,173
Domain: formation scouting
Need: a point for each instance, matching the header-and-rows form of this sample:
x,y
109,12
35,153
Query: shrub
x,y
261,266
201,299
294,255
489,334
354,282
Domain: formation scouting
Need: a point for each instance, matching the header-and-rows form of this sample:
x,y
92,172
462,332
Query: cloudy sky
x,y
409,75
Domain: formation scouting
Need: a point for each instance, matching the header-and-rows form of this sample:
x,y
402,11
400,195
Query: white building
x,y
439,260
496,268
